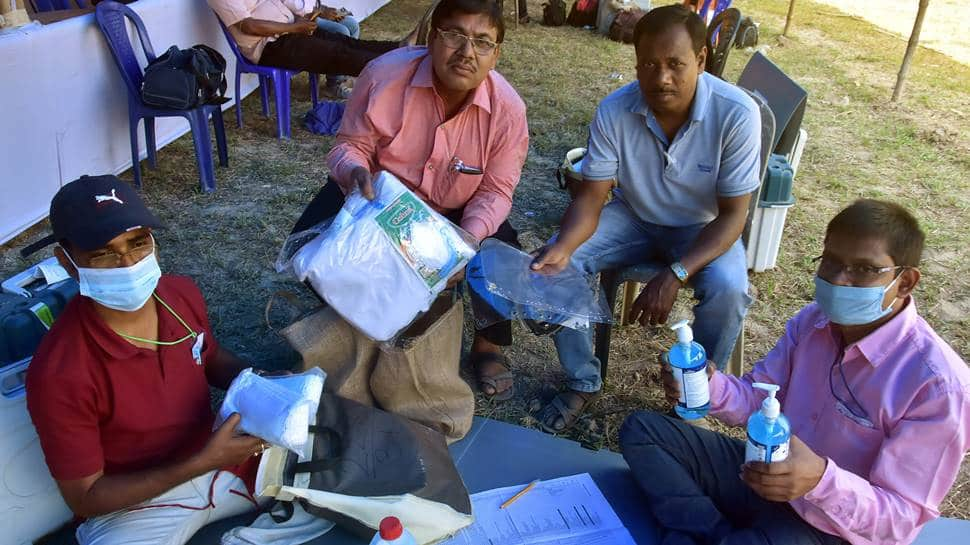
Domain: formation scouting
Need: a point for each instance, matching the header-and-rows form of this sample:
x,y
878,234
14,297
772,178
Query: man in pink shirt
x,y
452,129
879,408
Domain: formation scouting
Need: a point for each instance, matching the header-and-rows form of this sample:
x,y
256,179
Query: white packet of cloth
x,y
277,409
382,262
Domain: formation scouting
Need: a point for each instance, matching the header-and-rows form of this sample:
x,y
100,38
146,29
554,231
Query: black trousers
x,y
330,199
690,478
323,53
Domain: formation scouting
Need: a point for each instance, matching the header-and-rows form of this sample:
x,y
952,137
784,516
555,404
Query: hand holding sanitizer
x,y
689,364
768,430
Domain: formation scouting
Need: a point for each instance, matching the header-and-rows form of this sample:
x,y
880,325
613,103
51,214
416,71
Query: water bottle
x,y
768,430
391,532
689,364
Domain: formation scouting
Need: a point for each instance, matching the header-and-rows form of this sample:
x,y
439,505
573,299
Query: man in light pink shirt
x,y
278,33
879,408
444,122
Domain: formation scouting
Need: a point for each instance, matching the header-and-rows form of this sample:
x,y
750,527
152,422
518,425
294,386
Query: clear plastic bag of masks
x,y
380,263
277,409
502,278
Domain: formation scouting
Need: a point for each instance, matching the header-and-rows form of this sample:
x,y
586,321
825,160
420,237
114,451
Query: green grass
x,y
916,152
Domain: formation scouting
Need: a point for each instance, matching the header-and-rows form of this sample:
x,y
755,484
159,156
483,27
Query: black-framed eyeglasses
x,y
456,40
857,274
139,249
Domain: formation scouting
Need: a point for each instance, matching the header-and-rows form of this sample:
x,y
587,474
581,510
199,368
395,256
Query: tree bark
x,y
910,50
791,11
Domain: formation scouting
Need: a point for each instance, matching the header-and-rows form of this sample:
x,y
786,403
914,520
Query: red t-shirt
x,y
100,402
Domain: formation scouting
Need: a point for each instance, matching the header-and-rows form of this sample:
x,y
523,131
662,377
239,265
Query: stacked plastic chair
x,y
111,18
280,78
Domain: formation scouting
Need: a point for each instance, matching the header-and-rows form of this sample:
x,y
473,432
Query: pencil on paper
x,y
521,493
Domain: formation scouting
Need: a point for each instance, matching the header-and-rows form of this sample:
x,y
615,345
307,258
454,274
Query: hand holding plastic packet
x,y
380,263
503,278
277,409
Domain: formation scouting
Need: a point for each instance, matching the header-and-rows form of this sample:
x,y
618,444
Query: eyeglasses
x,y
857,274
140,248
456,40
850,407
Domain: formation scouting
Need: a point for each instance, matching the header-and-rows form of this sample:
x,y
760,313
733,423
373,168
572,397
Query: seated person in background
x,y
451,128
277,33
337,21
683,148
879,408
119,387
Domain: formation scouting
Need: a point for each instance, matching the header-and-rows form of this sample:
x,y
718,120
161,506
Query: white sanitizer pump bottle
x,y
688,360
768,431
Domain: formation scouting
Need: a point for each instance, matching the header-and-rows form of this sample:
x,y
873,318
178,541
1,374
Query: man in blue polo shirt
x,y
682,148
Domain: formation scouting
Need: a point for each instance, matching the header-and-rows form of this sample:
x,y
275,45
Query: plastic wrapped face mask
x,y
428,246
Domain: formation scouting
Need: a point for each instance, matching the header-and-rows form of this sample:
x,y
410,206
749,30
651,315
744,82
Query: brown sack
x,y
327,341
416,378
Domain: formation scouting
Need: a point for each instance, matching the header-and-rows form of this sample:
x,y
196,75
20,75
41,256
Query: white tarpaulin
x,y
64,107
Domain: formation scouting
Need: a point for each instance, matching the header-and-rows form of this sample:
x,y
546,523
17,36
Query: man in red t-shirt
x,y
119,387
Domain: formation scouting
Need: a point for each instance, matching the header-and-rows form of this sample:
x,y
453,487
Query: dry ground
x,y
915,153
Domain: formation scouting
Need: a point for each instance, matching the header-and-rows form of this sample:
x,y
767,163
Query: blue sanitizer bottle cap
x,y
685,335
770,407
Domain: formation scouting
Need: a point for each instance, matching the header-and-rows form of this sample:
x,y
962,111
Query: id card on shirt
x,y
197,348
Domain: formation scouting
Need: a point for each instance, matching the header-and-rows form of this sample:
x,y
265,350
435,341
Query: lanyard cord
x,y
191,335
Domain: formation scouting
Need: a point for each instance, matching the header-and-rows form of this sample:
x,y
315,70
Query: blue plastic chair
x,y
280,78
111,16
717,5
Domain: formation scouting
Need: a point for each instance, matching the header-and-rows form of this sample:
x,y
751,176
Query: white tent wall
x,y
63,104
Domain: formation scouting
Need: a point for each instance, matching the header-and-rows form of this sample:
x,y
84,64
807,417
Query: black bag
x,y
583,13
181,79
554,13
747,35
625,23
365,456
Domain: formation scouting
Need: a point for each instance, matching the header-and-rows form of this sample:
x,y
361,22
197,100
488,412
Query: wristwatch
x,y
679,271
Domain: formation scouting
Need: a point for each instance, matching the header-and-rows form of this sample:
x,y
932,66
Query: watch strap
x,y
679,271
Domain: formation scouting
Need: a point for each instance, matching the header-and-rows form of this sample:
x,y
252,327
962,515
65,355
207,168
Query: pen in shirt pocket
x,y
459,166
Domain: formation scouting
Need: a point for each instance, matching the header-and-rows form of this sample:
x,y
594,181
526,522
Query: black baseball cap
x,y
92,210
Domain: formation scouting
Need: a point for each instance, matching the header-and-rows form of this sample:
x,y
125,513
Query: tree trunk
x,y
910,50
791,11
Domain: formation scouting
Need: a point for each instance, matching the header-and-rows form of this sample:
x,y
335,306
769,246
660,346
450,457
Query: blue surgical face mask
x,y
120,288
852,305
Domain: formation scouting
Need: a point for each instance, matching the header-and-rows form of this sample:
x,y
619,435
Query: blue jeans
x,y
348,26
623,239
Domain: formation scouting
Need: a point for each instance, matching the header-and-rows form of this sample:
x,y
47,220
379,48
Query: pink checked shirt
x,y
394,121
885,477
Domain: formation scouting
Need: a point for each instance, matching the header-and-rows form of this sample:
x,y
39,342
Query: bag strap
x,y
297,307
332,457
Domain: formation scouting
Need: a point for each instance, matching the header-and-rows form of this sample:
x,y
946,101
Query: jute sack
x,y
417,377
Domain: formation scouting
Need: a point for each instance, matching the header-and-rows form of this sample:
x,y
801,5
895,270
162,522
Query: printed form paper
x,y
564,511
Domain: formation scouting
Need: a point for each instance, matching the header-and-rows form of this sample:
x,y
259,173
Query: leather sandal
x,y
492,381
565,407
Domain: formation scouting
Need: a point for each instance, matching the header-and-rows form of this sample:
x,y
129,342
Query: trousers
x,y
323,52
173,517
622,239
690,478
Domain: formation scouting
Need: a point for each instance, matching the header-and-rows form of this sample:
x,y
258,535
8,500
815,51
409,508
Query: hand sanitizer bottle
x,y
768,430
391,532
689,363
